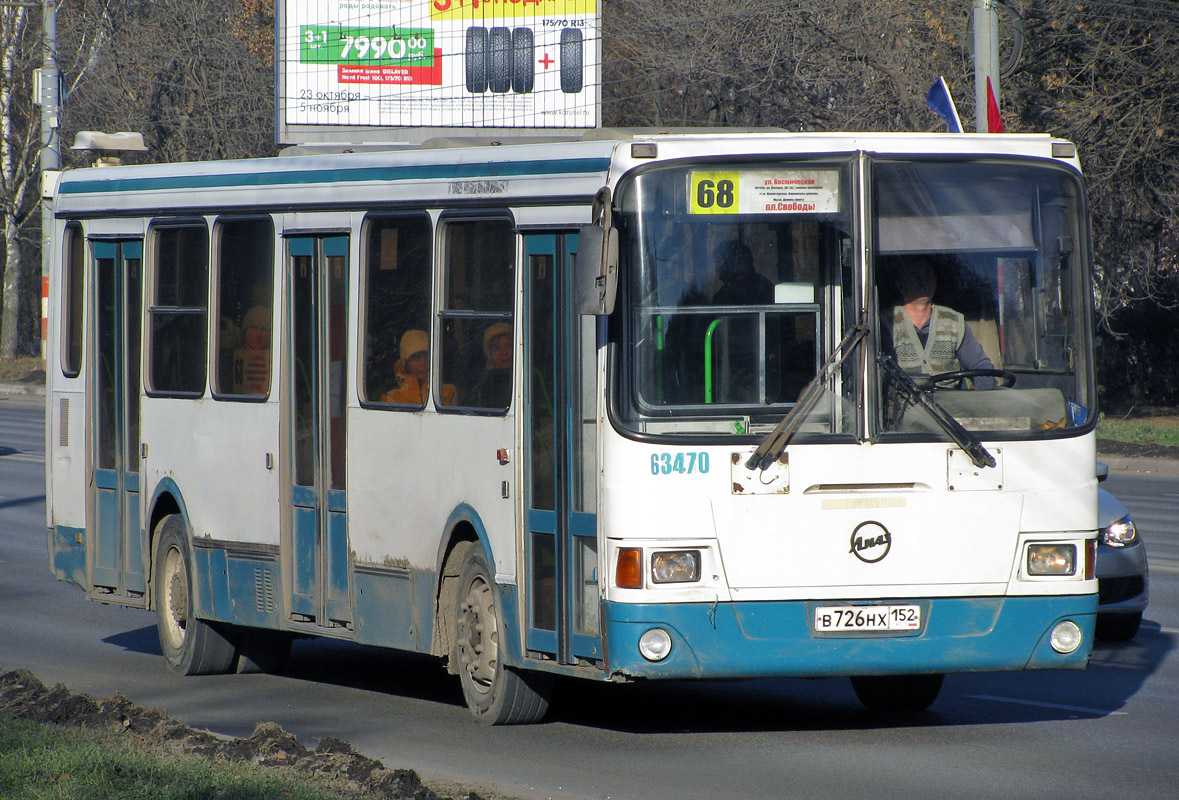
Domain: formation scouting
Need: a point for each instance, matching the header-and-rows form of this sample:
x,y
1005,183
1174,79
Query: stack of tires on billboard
x,y
504,59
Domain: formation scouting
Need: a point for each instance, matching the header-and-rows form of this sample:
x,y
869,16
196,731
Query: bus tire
x,y
499,60
572,61
495,694
190,645
523,57
897,692
260,650
476,59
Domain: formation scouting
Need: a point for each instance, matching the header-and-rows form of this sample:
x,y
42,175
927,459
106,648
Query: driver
x,y
926,338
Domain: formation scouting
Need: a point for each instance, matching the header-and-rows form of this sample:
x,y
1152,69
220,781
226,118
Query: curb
x,y
1144,466
31,389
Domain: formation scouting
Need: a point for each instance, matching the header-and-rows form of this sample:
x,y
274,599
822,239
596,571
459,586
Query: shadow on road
x,y
373,669
141,640
370,669
22,501
1115,674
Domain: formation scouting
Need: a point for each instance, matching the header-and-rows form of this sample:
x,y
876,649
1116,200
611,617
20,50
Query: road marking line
x,y
1038,704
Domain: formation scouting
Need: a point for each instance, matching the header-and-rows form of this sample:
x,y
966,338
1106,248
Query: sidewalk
x,y
22,392
1153,466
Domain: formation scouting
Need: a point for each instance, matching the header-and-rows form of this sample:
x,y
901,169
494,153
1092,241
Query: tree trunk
x,y
10,36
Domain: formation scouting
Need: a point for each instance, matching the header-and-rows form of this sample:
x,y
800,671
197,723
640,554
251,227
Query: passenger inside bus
x,y
252,359
495,384
926,338
413,373
740,283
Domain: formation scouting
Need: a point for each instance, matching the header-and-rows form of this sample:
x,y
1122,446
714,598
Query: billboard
x,y
348,68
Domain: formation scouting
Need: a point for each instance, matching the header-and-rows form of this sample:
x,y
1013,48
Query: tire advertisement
x,y
439,63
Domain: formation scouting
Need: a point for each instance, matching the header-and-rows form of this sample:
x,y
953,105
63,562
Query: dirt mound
x,y
1109,447
23,696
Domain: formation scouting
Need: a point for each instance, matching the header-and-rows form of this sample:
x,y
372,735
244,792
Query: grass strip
x,y
45,762
1148,431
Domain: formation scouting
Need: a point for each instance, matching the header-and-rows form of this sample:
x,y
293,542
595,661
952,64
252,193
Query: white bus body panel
x,y
800,545
399,503
228,490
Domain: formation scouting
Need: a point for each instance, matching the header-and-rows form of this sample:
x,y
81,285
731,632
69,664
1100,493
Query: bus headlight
x,y
1066,637
1052,559
655,644
675,566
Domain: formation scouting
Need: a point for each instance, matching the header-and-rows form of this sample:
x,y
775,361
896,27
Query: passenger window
x,y
476,317
245,297
396,336
177,317
73,297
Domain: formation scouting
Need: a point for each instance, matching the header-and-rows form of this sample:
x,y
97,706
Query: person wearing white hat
x,y
413,372
495,385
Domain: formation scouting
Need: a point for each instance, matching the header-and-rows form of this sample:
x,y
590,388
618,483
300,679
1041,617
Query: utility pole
x,y
986,59
50,146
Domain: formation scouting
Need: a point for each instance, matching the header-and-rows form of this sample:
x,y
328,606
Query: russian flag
x,y
939,100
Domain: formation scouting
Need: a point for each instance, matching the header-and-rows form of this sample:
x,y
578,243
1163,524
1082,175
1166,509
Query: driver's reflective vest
x,y
939,354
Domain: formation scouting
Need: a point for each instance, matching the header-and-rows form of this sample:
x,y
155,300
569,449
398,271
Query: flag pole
x,y
986,63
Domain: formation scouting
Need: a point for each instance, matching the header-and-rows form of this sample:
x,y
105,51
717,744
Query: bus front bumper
x,y
777,639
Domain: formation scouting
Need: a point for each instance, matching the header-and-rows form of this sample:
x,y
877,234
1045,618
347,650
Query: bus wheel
x,y
191,646
897,692
495,694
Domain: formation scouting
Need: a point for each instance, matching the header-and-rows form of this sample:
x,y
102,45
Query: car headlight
x,y
1052,559
1120,534
675,566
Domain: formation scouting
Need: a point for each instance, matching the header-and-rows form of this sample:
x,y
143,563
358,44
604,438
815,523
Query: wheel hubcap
x,y
175,597
478,635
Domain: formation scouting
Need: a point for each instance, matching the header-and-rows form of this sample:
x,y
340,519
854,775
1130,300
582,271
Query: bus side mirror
x,y
596,276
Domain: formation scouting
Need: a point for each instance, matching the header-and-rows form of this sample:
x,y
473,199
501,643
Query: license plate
x,y
834,619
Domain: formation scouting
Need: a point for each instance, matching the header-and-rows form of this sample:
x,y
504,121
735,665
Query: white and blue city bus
x,y
379,397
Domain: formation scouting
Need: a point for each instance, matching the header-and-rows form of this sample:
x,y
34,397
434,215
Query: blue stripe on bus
x,y
495,169
714,641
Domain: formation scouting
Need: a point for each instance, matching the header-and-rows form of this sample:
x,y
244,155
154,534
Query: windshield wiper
x,y
962,437
771,447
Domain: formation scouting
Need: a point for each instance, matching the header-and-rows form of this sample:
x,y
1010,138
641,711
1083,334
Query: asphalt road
x,y
1110,731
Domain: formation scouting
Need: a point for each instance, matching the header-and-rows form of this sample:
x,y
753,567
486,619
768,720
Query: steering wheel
x,y
936,381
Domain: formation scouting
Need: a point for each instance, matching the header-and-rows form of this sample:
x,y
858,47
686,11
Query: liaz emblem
x,y
870,542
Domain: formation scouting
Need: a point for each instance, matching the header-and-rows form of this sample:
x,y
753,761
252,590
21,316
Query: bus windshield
x,y
740,280
735,287
979,279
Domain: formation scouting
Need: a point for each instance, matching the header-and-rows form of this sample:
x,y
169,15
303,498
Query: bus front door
x,y
561,384
317,545
116,546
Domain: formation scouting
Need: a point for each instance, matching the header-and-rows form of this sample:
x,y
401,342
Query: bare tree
x,y
167,69
19,136
804,65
